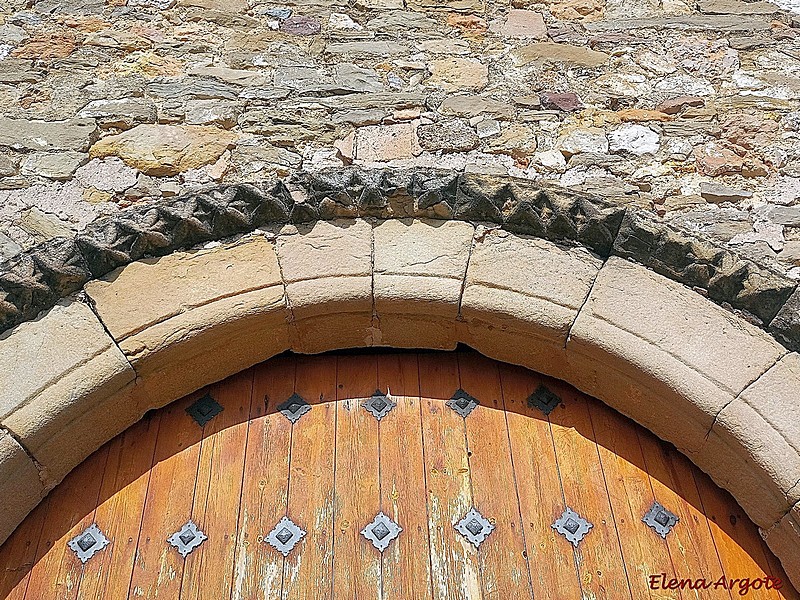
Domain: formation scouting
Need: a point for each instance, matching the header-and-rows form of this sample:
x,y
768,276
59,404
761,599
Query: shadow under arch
x,y
121,463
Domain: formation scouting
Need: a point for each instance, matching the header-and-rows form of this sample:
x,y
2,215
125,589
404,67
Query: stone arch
x,y
541,278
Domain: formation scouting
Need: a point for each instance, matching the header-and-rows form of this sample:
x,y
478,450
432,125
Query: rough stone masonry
x,y
689,110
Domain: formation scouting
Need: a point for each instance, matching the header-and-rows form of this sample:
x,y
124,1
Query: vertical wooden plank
x,y
599,556
119,512
406,563
690,543
454,561
644,551
552,564
356,563
57,570
209,569
18,553
503,554
309,568
736,538
258,568
158,568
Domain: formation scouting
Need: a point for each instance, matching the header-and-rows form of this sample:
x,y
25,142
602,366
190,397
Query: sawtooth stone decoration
x,y
35,280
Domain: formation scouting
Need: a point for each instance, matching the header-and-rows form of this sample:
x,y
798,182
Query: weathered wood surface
x,y
422,464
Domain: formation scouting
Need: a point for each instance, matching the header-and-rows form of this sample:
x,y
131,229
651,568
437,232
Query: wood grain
x,y
423,465
208,574
552,565
119,513
406,563
158,568
600,560
57,571
356,563
691,545
454,561
309,568
503,554
258,568
631,496
736,538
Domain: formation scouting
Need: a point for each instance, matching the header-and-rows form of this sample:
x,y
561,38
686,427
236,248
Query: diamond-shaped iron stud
x,y
660,519
544,399
381,531
572,526
187,538
462,403
379,404
204,409
294,407
90,541
285,536
475,527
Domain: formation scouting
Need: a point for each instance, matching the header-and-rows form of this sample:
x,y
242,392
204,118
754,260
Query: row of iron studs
x,y
382,530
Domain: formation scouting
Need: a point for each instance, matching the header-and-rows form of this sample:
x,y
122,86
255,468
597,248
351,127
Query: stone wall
x,y
687,110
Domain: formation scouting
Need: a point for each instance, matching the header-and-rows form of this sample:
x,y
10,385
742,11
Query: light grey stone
x,y
211,112
450,136
717,192
376,48
108,174
8,247
23,134
633,138
122,113
58,165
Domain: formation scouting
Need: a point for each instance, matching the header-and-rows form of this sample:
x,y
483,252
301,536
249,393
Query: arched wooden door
x,y
536,491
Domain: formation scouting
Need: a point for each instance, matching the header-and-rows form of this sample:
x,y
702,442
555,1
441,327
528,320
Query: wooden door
x,y
411,476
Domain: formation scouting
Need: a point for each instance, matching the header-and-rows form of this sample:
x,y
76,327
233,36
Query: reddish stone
x,y
714,159
676,105
567,102
301,26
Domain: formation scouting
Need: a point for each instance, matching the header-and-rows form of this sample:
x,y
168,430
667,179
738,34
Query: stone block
x,y
150,291
64,376
19,480
642,339
192,318
761,427
527,284
783,538
420,261
327,267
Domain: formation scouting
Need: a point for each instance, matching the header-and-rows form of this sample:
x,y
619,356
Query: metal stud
x,y
294,407
572,526
660,519
187,538
285,536
204,409
381,531
475,527
90,541
379,404
544,399
462,403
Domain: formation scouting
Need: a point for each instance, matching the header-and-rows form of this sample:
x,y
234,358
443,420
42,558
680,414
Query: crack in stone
x,y
41,470
477,236
739,395
585,300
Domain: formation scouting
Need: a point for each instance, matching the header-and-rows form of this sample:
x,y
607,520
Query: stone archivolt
x,y
687,338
